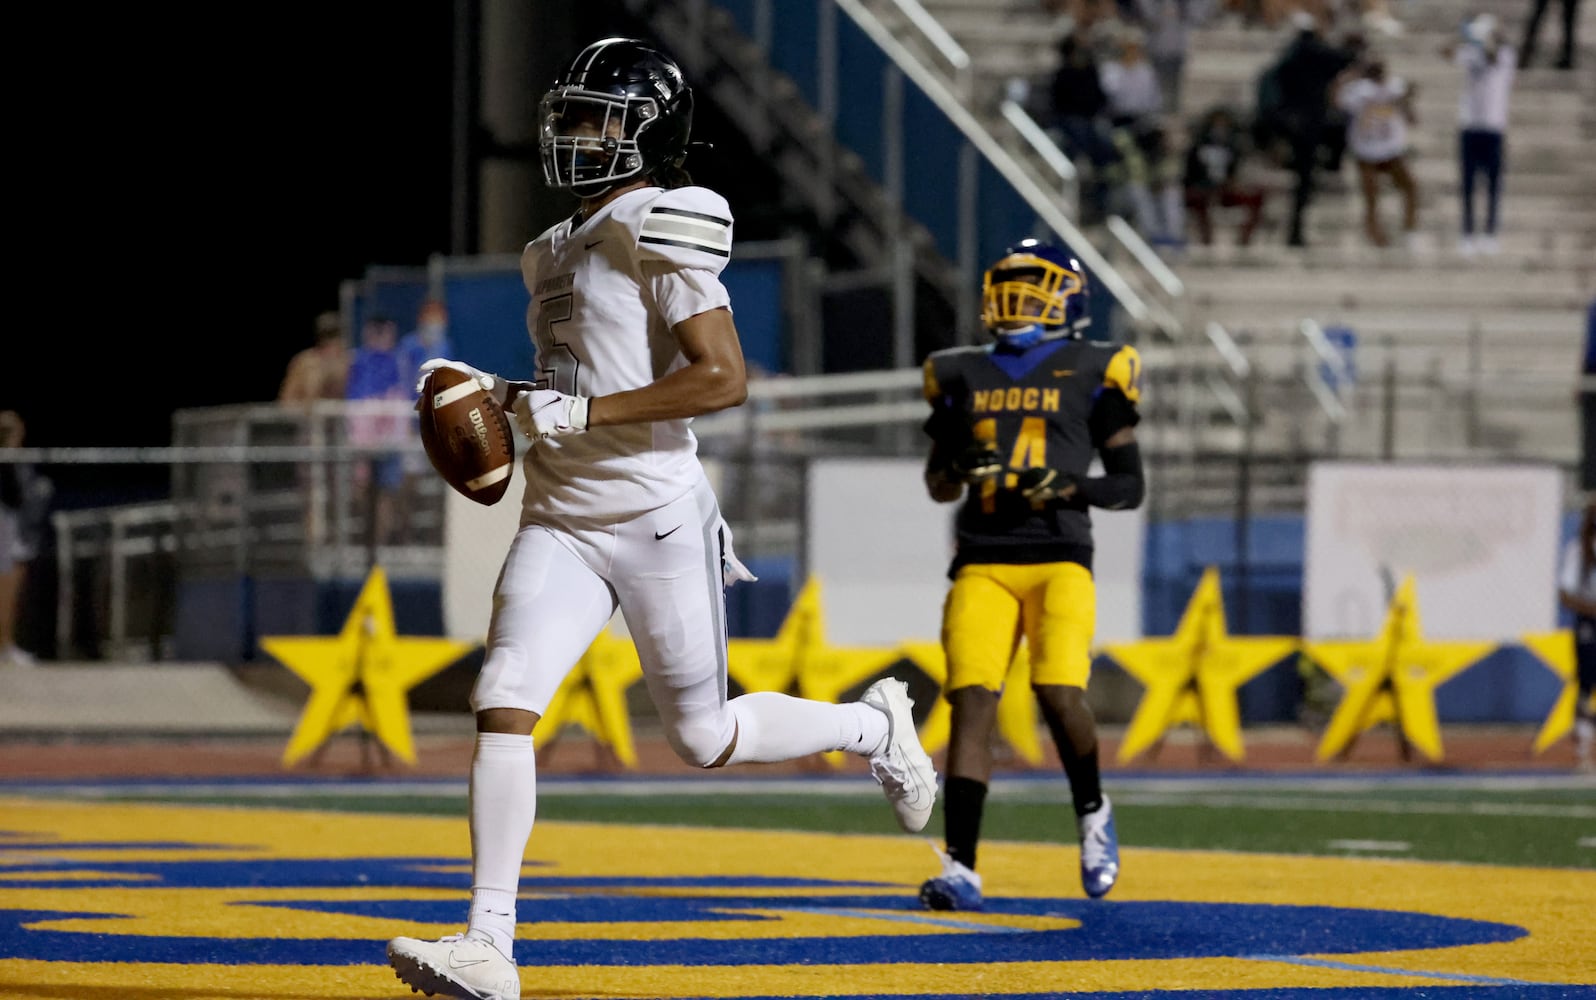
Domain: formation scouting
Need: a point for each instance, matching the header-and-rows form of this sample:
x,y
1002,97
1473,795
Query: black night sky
x,y
199,191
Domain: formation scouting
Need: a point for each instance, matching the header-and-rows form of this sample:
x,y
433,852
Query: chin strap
x,y
1030,336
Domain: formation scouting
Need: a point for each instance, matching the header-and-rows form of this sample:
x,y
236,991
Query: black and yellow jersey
x,y
1052,404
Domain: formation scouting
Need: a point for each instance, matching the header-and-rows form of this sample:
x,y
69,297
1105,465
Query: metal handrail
x,y
1314,334
1230,351
1039,141
944,43
1153,264
1042,203
1328,396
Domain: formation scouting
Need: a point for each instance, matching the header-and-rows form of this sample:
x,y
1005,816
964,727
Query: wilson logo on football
x,y
480,427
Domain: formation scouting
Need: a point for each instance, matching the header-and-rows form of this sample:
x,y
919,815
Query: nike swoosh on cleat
x,y
453,964
660,537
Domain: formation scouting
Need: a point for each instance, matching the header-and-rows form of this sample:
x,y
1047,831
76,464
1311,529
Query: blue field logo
x,y
659,920
302,903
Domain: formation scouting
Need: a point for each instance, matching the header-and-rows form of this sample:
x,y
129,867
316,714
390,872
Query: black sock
x,y
1085,785
962,802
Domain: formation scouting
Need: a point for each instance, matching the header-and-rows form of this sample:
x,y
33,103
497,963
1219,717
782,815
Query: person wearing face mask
x,y
430,338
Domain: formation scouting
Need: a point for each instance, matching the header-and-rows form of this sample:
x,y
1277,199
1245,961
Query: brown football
x,y
466,435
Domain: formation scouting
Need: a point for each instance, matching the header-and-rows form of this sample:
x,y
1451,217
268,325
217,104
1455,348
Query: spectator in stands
x,y
1151,188
1079,116
24,501
1532,30
1295,94
430,339
1488,70
1169,24
1129,83
1381,109
1082,16
1212,175
321,370
1256,13
1576,591
374,377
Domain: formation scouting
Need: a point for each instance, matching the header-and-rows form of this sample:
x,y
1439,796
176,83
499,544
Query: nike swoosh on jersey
x,y
1061,372
660,537
589,246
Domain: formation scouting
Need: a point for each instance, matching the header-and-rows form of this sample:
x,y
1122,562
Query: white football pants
x,y
663,569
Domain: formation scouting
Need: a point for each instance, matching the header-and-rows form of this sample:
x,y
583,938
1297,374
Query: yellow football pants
x,y
1053,606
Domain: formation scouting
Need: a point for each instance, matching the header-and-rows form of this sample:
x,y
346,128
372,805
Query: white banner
x,y
881,547
1480,541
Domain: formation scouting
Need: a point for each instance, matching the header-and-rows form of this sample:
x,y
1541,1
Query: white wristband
x,y
579,412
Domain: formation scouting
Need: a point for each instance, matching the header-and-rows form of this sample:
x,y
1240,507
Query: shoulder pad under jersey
x,y
944,370
1124,371
688,227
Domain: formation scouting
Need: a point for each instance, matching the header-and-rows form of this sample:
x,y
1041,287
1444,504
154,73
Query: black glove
x,y
1043,484
977,462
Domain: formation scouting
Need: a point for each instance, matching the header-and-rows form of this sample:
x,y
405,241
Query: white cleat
x,y
455,966
903,768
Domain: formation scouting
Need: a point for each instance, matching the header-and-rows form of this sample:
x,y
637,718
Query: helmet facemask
x,y
1023,291
589,140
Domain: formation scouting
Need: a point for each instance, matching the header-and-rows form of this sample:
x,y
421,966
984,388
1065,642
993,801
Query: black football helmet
x,y
621,111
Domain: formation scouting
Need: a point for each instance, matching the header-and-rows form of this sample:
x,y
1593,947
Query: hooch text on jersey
x,y
1014,399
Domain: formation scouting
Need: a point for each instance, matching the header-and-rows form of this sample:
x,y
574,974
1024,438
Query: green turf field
x,y
1544,824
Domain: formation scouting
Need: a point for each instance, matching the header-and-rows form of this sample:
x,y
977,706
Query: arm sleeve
x,y
1122,486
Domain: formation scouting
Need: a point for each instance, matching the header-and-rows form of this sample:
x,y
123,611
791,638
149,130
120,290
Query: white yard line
x,y
1381,846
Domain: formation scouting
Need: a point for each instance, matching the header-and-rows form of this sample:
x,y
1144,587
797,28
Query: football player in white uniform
x,y
634,338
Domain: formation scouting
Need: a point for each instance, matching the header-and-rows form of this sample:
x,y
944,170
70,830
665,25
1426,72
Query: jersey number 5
x,y
558,363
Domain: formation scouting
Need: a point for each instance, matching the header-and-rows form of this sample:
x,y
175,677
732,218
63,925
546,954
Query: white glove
x,y
485,379
545,413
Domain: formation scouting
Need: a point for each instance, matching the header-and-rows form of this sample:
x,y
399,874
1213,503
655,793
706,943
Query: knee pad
x,y
701,741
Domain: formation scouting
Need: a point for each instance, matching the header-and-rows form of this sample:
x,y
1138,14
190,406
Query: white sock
x,y
504,783
774,727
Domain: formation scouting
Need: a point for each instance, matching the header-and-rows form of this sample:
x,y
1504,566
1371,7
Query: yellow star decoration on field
x,y
1392,678
1191,677
593,697
1556,650
363,674
799,659
1017,714
775,664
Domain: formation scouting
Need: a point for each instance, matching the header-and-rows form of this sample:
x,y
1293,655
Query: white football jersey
x,y
605,296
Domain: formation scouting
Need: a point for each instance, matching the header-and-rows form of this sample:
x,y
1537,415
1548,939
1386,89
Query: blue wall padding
x,y
795,46
859,106
759,307
487,322
930,192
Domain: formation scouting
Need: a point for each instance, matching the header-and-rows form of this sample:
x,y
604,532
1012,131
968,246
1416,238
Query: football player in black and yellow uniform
x,y
1014,427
